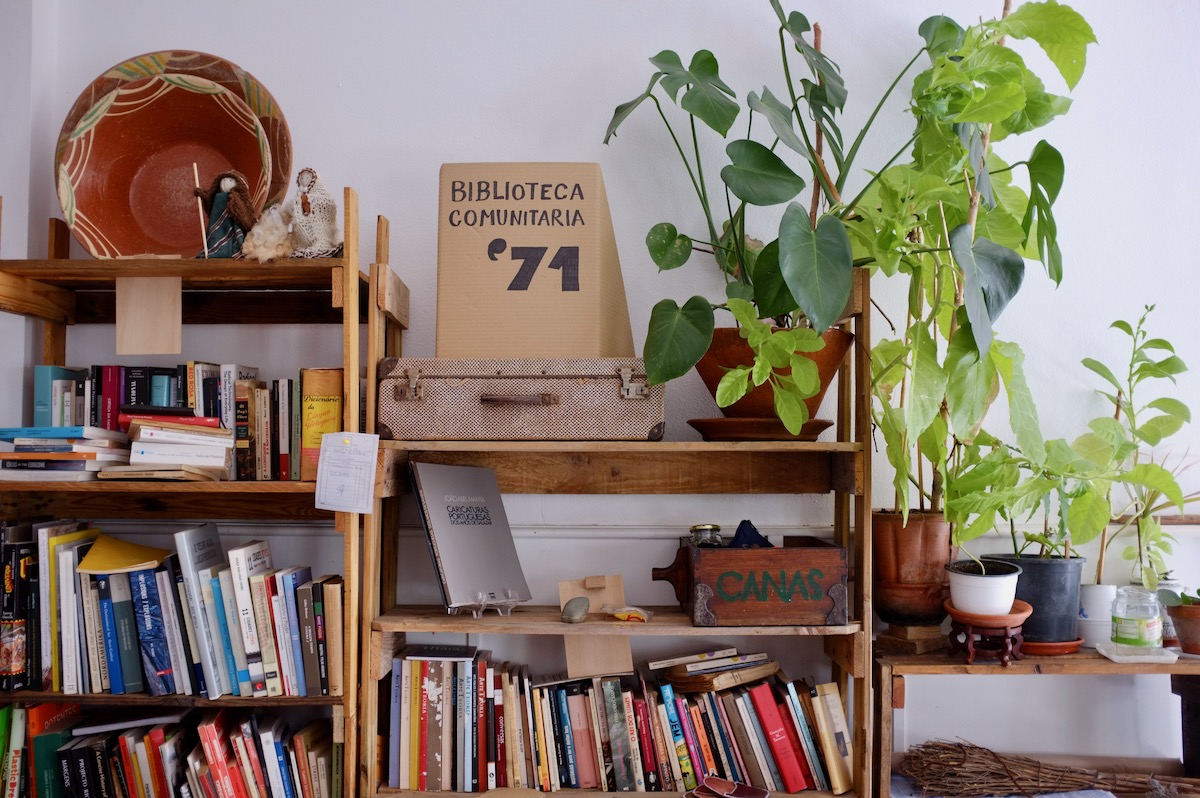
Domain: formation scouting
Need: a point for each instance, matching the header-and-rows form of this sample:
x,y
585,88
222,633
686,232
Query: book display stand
x,y
61,292
841,467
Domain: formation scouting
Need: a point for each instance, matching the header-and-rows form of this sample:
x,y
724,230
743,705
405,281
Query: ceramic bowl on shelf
x,y
126,177
201,65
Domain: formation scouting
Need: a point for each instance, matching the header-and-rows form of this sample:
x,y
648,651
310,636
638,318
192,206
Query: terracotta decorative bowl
x,y
125,179
201,65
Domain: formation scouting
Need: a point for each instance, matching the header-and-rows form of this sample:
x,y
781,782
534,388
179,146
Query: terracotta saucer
x,y
755,429
1051,649
1016,616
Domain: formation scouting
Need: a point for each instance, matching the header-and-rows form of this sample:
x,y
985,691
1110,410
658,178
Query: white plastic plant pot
x,y
983,587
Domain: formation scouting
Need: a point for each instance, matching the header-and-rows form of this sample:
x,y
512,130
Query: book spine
x,y
283,639
227,608
263,426
151,632
174,639
110,397
396,716
214,600
187,628
321,412
682,752
308,636
242,563
618,736
322,644
563,731
108,623
334,631
646,742
125,623
68,633
266,634
809,742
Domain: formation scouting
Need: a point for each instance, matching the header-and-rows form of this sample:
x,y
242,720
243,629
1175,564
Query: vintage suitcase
x,y
802,584
522,399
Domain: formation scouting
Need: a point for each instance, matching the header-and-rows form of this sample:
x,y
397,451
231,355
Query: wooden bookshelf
x,y
891,672
841,468
61,292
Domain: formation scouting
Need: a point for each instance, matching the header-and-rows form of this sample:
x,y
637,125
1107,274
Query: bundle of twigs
x,y
945,768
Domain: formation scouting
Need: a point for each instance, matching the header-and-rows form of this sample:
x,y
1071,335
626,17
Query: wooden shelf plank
x,y
616,467
1083,663
546,620
509,792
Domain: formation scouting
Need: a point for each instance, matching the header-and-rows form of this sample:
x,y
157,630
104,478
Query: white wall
x,y
379,94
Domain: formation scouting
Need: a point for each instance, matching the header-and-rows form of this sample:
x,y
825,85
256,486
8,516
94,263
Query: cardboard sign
x,y
527,263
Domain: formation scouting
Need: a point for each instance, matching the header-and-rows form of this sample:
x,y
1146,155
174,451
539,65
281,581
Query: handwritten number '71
x,y
565,260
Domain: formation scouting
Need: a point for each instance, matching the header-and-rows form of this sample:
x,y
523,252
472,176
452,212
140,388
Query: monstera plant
x,y
942,212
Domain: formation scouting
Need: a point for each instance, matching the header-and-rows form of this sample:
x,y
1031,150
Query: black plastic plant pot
x,y
1051,586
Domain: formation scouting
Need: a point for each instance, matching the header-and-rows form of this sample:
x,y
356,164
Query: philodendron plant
x,y
946,216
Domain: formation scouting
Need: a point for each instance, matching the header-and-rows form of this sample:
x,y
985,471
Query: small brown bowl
x,y
1015,617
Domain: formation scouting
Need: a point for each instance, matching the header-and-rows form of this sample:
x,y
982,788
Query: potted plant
x,y
1184,610
1105,477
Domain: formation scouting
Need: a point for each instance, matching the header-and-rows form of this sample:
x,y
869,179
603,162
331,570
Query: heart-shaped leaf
x,y
942,35
668,248
816,264
771,293
677,338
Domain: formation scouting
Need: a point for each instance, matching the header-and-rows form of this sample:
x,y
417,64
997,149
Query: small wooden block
x,y
595,582
886,644
914,632
149,315
595,656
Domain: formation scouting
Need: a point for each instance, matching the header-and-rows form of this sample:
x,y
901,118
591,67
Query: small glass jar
x,y
1136,621
707,536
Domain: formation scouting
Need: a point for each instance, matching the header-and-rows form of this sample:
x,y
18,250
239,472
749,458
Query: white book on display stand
x,y
469,536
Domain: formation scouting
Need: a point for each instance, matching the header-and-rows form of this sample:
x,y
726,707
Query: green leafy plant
x,y
1169,598
1107,482
942,212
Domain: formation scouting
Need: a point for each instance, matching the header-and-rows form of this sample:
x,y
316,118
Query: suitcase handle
x,y
518,399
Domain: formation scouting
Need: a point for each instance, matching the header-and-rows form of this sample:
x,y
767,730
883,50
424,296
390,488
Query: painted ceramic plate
x,y
201,65
125,179
755,429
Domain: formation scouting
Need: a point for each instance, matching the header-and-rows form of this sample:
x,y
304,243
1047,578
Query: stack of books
x,y
60,454
161,449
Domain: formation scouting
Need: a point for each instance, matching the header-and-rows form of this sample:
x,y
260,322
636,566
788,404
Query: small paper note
x,y
346,472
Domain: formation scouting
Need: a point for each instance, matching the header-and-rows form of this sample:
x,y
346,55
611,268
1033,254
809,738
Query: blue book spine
x,y
243,676
108,625
152,633
564,723
284,766
677,740
291,582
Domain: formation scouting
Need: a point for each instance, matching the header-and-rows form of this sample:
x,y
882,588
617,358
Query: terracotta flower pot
x,y
729,349
1186,618
909,566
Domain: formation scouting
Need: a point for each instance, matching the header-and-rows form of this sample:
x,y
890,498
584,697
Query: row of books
x,y
83,612
276,425
460,721
55,751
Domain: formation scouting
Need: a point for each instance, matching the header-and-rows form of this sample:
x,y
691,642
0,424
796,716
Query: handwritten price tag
x,y
346,472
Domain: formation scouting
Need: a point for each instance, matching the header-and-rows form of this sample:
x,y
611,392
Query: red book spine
x,y
646,742
481,726
785,757
793,737
110,396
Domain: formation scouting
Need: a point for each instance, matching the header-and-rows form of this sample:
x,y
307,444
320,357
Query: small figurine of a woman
x,y
314,218
230,214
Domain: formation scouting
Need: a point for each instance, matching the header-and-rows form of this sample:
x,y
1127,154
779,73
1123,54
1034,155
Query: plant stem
x,y
849,159
819,171
703,189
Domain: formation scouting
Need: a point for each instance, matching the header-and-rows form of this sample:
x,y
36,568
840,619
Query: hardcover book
x,y
244,562
200,547
468,535
151,633
320,412
834,736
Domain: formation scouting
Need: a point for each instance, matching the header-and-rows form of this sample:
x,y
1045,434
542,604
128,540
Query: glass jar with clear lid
x,y
1136,621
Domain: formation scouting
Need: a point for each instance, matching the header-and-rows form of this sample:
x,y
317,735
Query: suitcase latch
x,y
631,389
414,389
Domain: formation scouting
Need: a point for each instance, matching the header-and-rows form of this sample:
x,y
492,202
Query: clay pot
x,y
1186,618
909,566
729,349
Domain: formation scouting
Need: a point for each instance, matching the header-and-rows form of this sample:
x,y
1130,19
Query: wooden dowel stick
x,y
200,208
